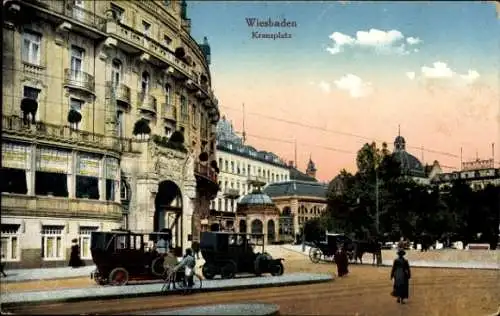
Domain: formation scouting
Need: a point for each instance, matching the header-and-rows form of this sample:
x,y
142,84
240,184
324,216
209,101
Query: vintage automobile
x,y
122,256
326,249
227,254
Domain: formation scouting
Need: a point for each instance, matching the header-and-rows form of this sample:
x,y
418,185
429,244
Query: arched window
x,y
116,73
145,82
124,191
257,227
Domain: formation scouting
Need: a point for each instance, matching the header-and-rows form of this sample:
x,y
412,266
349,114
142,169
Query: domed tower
x,y
399,142
311,168
410,165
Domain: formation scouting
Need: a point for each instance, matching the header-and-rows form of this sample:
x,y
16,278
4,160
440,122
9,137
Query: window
x,y
84,241
87,187
226,166
194,114
13,180
219,204
31,93
117,12
31,48
110,189
184,108
167,40
75,105
116,73
78,7
52,242
220,162
10,242
146,27
77,56
119,123
168,90
232,166
124,191
145,82
51,183
168,131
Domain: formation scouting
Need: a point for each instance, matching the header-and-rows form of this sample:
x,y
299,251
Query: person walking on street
x,y
401,275
342,261
75,260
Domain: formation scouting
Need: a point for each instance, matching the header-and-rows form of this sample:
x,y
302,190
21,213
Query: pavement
x,y
113,292
416,263
255,309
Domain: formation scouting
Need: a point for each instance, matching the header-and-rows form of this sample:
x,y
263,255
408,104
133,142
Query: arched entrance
x,y
271,231
257,227
168,211
242,226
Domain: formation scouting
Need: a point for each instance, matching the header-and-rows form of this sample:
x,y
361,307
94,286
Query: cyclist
x,y
188,263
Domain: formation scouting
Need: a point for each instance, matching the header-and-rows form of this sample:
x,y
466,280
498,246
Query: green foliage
x,y
165,142
407,208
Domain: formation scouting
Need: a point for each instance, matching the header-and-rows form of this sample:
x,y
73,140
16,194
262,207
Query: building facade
x,y
298,200
242,170
477,174
108,122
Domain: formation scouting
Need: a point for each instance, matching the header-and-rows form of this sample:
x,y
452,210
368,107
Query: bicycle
x,y
177,280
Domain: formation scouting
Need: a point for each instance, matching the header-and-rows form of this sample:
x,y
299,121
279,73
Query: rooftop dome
x,y
410,165
256,198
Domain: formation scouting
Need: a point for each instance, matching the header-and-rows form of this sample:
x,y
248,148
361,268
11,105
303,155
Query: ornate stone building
x,y
298,200
478,174
108,121
242,169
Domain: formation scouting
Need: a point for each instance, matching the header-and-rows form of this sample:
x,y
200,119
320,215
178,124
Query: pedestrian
x,y
401,274
2,266
196,249
342,261
75,260
161,246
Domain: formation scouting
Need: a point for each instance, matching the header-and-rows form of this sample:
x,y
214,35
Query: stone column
x,y
72,175
294,208
143,213
188,206
31,171
102,180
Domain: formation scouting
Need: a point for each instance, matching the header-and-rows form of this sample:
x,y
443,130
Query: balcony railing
x,y
231,193
121,92
68,9
52,132
57,206
205,171
146,102
169,112
154,48
79,80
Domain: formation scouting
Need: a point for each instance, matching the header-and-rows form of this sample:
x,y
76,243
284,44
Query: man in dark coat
x,y
401,274
74,259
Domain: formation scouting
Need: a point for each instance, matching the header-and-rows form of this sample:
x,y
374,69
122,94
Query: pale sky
x,y
358,69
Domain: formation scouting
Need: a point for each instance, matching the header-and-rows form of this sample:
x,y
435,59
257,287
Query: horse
x,y
362,247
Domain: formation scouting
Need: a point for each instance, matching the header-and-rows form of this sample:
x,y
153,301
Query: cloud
x,y
413,40
440,70
353,84
325,86
410,74
392,41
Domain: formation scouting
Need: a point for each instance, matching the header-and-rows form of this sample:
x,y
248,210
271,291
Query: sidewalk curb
x,y
4,281
415,263
159,293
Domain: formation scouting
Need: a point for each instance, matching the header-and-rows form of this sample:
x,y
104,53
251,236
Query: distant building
x,y
242,170
478,174
300,199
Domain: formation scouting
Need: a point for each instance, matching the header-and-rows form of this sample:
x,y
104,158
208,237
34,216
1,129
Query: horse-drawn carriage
x,y
227,254
326,249
122,256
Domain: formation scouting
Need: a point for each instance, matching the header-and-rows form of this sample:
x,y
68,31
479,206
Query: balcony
x,y
146,102
169,112
135,42
257,181
72,13
231,193
59,207
121,92
79,80
206,179
14,125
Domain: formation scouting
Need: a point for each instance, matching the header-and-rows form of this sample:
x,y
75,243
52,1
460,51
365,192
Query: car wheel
x,y
208,271
228,271
118,276
157,267
277,269
315,255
